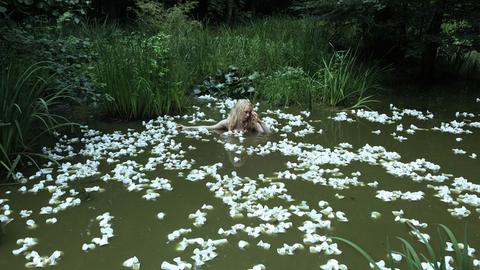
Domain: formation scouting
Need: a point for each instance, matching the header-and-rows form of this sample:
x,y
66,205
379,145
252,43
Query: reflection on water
x,y
238,157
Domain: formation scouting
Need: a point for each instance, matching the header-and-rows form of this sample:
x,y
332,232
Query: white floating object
x,y
132,263
264,245
258,267
375,215
51,221
396,257
243,244
87,247
333,264
25,213
161,215
31,224
457,151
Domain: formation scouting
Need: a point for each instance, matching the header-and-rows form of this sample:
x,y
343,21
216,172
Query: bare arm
x,y
262,128
222,125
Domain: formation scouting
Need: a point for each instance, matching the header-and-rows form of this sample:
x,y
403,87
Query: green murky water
x,y
138,232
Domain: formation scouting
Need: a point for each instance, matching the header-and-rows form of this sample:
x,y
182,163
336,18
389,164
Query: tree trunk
x,y
431,39
230,11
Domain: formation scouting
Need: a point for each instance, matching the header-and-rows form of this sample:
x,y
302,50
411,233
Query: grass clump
x,y
26,99
345,81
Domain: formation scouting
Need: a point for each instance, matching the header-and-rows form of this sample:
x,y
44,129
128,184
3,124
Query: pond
x,y
232,201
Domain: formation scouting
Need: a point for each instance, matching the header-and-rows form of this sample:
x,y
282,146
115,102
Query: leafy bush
x,y
228,84
154,17
135,76
288,86
26,102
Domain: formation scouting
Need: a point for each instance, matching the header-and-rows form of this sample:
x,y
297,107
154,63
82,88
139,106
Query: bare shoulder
x,y
222,124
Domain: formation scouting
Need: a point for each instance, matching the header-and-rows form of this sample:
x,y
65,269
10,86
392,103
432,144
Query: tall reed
x,y
135,74
25,106
345,81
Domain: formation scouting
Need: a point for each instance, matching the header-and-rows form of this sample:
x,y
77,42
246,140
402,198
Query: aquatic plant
x,y
344,80
415,259
26,102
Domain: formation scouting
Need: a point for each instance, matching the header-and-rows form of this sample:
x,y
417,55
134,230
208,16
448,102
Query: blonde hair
x,y
235,116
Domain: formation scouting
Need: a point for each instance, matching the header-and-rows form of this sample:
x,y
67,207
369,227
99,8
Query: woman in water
x,y
242,117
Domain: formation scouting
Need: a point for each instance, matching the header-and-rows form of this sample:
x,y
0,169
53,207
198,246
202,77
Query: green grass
x,y
413,258
25,105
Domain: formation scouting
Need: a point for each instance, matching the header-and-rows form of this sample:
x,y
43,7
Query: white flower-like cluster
x,y
389,196
258,267
333,264
457,151
31,224
25,213
105,229
464,114
289,249
200,217
453,127
342,117
399,218
397,115
132,263
179,265
177,233
373,116
459,212
26,243
205,252
34,259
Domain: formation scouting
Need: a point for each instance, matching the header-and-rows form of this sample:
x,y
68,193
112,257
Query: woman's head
x,y
241,115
